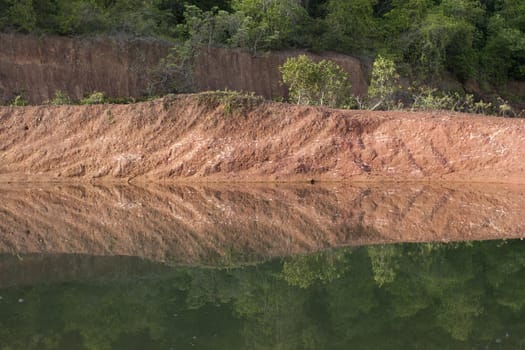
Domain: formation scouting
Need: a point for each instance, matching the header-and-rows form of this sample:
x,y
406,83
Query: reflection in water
x,y
83,267
230,224
406,296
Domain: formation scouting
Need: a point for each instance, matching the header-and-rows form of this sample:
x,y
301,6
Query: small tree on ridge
x,y
383,84
324,83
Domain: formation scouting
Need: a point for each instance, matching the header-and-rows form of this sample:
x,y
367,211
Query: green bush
x,y
324,83
60,98
19,100
427,99
94,98
383,84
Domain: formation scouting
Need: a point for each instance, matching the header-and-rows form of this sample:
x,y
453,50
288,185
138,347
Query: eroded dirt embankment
x,y
240,70
194,138
223,224
37,66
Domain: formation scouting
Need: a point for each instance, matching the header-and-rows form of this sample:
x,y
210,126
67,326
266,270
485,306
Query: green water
x,y
405,296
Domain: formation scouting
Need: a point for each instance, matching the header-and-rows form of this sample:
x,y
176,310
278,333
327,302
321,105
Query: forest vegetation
x,y
428,40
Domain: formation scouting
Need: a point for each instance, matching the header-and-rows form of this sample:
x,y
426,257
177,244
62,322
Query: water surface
x,y
404,296
224,224
258,267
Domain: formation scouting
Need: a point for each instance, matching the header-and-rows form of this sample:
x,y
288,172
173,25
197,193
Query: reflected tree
x,y
408,296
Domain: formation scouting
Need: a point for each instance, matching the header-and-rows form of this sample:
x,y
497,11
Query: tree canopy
x,y
483,39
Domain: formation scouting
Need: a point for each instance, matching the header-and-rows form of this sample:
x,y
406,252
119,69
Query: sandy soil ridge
x,y
192,138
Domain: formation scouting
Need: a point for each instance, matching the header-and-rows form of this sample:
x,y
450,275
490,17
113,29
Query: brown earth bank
x,y
37,66
240,70
195,138
229,224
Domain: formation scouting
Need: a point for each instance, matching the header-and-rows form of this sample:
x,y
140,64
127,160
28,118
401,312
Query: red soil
x,y
191,138
223,224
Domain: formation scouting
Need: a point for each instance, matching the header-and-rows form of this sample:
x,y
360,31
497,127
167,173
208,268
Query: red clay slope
x,y
192,138
224,223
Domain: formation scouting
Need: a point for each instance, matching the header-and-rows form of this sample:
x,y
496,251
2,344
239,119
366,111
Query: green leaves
x,y
351,25
504,53
324,83
443,37
305,270
272,24
468,38
384,83
21,14
18,101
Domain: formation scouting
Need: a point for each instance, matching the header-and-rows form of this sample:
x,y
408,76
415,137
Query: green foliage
x,y
434,36
60,98
200,28
384,83
351,25
19,101
435,296
323,83
86,16
428,38
138,17
504,108
77,17
174,73
127,100
384,263
428,99
21,15
94,98
305,270
255,25
441,41
504,54
272,23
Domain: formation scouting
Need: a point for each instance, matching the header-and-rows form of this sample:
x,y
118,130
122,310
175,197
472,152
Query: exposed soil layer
x,y
36,67
240,70
194,138
225,224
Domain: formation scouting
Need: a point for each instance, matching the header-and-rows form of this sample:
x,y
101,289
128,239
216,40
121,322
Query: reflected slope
x,y
225,224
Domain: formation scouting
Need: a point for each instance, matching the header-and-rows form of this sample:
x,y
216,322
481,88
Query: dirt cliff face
x,y
193,138
36,67
223,224
239,70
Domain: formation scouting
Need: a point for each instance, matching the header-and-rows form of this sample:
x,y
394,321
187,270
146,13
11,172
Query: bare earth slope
x,y
194,138
37,66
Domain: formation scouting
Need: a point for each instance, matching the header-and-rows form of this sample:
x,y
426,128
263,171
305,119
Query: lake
x,y
222,266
